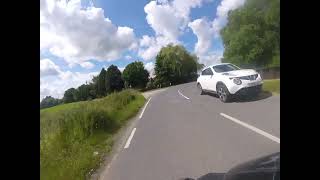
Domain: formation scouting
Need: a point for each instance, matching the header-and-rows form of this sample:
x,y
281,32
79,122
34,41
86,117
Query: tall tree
x,y
101,84
135,75
174,65
114,81
83,92
70,95
252,35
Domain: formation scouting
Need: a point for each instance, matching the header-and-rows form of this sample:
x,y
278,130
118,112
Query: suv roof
x,y
214,65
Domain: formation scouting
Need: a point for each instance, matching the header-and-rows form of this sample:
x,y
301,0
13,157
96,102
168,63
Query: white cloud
x,y
202,29
150,67
121,69
222,14
48,68
128,57
168,19
87,65
77,34
56,85
211,58
150,46
206,31
54,81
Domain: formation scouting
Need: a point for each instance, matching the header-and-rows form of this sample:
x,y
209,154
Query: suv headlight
x,y
237,81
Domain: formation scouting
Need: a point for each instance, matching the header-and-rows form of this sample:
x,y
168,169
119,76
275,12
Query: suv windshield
x,y
225,68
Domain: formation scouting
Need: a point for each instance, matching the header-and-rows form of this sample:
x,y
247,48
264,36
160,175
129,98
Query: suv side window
x,y
207,71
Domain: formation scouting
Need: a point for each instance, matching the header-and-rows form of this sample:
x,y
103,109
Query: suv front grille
x,y
251,77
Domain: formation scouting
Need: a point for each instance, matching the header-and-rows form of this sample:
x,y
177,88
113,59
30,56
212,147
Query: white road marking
x,y
130,138
144,108
183,95
259,131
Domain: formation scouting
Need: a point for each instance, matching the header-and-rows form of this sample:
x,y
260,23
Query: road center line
x,y
144,108
183,95
130,138
259,131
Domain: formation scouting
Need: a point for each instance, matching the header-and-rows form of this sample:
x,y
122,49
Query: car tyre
x,y
200,89
223,93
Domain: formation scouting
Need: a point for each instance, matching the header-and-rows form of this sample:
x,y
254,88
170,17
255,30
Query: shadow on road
x,y
243,99
261,96
209,176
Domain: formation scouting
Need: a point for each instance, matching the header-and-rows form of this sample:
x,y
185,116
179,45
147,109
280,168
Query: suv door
x,y
206,76
212,80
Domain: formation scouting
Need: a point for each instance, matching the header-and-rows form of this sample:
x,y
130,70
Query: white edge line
x,y
259,131
130,138
183,95
144,108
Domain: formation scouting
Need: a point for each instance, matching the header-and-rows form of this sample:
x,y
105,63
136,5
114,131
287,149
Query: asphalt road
x,y
179,136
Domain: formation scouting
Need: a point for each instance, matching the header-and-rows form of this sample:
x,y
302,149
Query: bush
x,y
71,133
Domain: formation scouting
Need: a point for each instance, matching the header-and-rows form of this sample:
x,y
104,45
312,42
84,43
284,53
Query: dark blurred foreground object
x,y
264,168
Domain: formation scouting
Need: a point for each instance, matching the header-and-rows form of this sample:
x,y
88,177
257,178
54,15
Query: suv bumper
x,y
253,90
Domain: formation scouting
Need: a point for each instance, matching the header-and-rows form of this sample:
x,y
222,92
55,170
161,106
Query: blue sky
x,y
78,38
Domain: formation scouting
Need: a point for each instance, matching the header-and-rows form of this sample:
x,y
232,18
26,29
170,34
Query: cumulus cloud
x,y
211,58
128,57
121,68
77,34
150,67
54,81
206,31
56,85
222,14
87,65
202,29
48,68
150,46
168,19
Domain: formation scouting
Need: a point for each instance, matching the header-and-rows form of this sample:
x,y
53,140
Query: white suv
x,y
227,80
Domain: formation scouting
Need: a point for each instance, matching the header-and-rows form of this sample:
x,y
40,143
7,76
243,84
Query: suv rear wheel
x,y
200,88
223,93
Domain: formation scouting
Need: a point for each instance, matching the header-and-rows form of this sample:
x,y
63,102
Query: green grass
x,y
272,85
70,134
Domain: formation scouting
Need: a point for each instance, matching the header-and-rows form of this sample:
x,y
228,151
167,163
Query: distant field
x,y
74,137
272,85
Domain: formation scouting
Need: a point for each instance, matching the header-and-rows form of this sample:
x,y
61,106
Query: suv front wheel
x,y
223,93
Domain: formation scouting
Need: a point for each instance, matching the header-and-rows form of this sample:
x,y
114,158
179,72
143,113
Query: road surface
x,y
184,134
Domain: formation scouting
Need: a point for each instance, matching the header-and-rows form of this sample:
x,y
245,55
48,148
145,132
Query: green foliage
x,y
150,85
114,81
175,65
135,75
70,95
200,66
49,101
252,35
71,133
83,92
272,86
101,83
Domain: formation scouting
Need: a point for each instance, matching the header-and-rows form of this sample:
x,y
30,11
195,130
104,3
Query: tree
x,y
174,65
135,75
49,101
83,92
101,83
93,86
70,95
114,81
252,35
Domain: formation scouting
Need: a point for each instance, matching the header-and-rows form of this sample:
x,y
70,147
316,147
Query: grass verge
x,y
272,85
74,137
